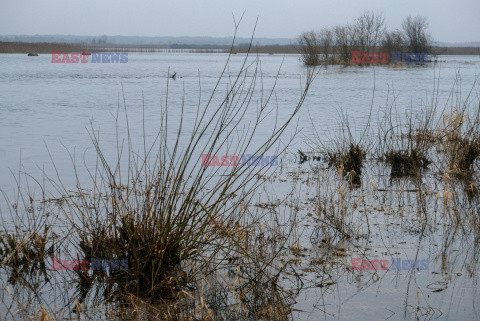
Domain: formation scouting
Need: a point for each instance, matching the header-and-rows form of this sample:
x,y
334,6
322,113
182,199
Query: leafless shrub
x,y
393,41
326,43
416,36
309,43
368,30
344,42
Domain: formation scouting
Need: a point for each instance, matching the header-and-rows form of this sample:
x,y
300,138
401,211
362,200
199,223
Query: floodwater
x,y
53,104
48,108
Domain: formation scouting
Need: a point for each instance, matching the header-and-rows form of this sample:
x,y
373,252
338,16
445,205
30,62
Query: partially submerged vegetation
x,y
406,163
461,142
448,141
367,34
406,145
349,161
199,246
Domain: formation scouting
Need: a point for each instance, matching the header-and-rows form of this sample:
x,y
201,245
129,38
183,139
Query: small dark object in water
x,y
33,54
174,75
303,157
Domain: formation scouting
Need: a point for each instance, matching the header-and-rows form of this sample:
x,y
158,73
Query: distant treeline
x,y
457,50
23,47
27,47
43,48
143,41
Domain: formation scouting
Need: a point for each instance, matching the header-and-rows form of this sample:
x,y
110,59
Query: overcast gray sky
x,y
450,20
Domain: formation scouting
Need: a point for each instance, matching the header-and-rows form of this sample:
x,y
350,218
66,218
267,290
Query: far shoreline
x,y
47,48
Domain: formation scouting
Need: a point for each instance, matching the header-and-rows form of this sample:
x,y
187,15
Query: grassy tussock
x,y
349,161
460,143
406,163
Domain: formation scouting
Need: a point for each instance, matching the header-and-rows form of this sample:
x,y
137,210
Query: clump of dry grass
x,y
349,161
466,152
406,163
26,241
164,218
24,255
406,146
461,143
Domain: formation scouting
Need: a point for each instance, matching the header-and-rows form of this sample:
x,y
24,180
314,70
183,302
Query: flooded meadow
x,y
244,188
